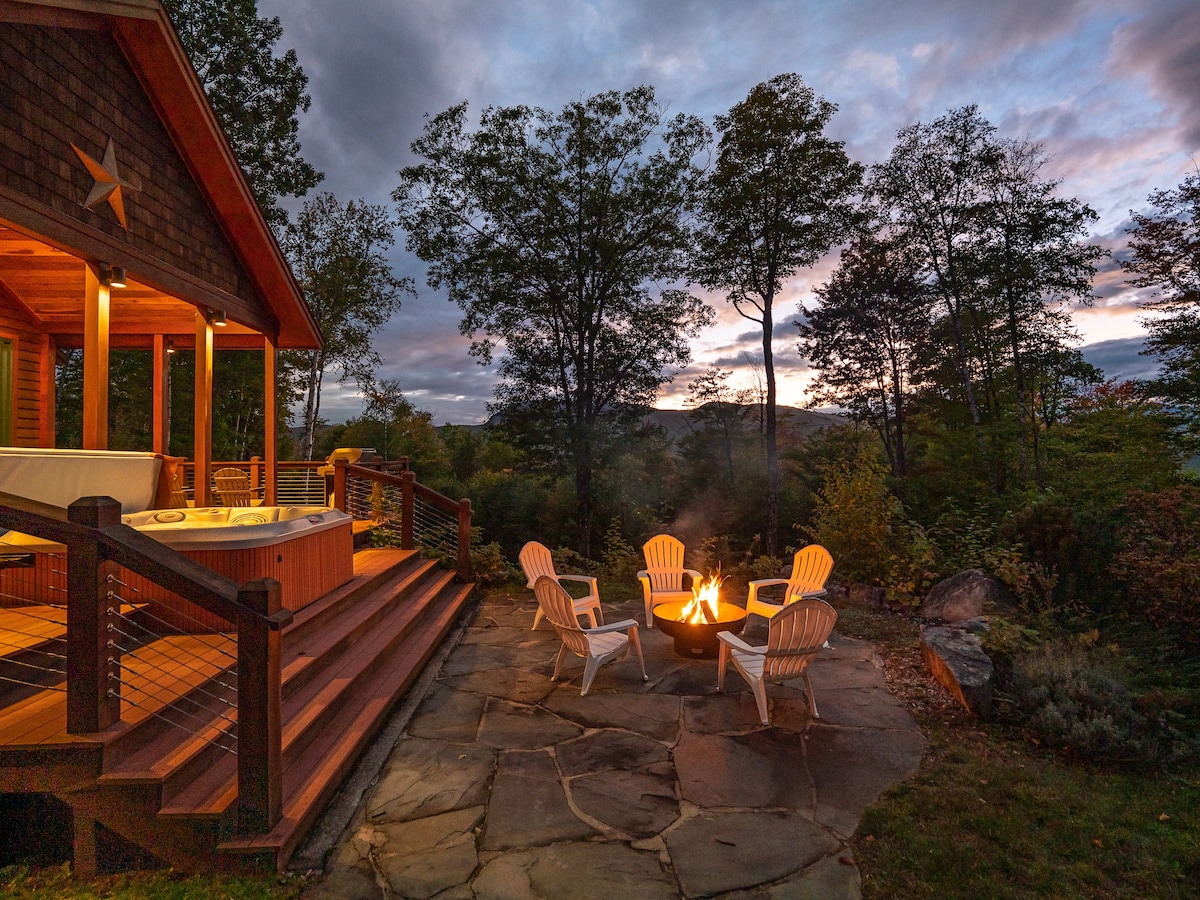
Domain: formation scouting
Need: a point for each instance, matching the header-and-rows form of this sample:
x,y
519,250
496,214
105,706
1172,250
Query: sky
x,y
1109,87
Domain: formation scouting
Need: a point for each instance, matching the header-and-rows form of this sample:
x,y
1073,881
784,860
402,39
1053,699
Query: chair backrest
x,y
810,569
233,486
664,562
794,633
559,609
537,561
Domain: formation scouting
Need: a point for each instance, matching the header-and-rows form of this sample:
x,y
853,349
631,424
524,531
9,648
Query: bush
x,y
490,567
1160,559
1077,697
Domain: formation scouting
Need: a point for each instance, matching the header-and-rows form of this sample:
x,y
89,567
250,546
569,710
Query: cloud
x,y
1164,43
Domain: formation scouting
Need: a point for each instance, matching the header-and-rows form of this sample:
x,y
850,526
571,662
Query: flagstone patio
x,y
507,785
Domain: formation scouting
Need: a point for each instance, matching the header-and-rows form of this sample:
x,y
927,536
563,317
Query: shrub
x,y
1077,697
490,567
1160,558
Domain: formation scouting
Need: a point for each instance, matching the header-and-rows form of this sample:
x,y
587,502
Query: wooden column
x,y
260,760
162,395
202,440
95,362
408,509
93,699
270,442
47,390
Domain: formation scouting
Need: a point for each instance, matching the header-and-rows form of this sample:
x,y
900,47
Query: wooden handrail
x,y
97,542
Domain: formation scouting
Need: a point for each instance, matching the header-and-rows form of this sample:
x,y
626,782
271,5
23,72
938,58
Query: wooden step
x,y
371,568
310,782
307,713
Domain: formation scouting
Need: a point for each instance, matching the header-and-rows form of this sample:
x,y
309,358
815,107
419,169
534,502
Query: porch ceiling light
x,y
216,317
113,276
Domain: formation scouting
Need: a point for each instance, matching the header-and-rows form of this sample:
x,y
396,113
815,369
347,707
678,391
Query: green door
x,y
6,391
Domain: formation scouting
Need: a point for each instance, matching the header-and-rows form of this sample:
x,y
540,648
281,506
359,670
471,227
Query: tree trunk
x,y
771,532
312,405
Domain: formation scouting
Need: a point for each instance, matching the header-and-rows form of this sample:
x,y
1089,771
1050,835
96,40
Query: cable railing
x,y
407,513
124,656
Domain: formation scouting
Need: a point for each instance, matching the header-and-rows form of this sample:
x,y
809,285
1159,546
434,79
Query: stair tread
x,y
312,778
214,791
370,566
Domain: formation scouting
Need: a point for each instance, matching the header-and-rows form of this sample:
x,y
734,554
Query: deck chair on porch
x,y
233,487
596,645
662,579
537,561
794,636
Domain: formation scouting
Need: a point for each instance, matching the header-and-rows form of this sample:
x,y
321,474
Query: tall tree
x,y
337,253
866,339
554,232
778,198
256,94
1165,257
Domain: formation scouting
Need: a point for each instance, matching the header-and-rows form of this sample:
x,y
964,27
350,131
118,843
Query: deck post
x,y
464,540
408,510
91,706
339,485
260,757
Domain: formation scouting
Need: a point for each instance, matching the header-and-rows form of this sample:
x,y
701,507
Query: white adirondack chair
x,y
794,636
662,579
810,569
596,645
536,561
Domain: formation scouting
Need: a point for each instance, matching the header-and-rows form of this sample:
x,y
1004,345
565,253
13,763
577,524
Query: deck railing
x,y
99,633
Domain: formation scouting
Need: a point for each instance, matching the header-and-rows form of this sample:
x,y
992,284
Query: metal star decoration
x,y
109,182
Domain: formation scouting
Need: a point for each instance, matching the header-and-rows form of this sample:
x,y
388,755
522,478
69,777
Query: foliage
x,y
777,199
1165,256
337,253
619,559
21,883
1159,559
863,526
489,565
256,94
1078,698
552,232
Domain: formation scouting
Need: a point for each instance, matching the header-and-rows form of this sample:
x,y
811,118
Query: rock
x,y
868,595
956,659
962,596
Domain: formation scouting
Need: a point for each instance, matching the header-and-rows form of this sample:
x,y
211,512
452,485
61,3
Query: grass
x,y
22,883
990,814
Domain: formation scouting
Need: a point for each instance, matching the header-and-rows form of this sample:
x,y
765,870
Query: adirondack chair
x,y
233,487
596,645
810,568
794,636
536,561
662,579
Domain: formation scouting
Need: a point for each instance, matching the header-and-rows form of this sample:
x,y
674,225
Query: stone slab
x,y
610,748
509,683
528,806
649,714
638,804
761,769
427,856
725,851
448,715
580,871
426,777
514,726
862,708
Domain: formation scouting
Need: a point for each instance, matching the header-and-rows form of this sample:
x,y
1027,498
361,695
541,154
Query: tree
x,y
720,410
256,94
1165,256
554,233
777,199
337,253
866,337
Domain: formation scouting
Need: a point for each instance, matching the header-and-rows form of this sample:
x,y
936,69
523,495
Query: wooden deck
x,y
346,660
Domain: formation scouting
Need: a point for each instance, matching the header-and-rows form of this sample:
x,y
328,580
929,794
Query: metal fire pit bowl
x,y
697,640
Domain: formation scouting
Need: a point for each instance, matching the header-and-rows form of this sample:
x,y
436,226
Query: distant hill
x,y
803,421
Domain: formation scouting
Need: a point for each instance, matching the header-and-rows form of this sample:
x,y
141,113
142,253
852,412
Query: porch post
x,y
91,705
270,442
202,438
162,388
95,361
47,389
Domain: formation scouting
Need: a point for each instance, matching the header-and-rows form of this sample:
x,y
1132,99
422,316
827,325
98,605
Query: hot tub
x,y
309,549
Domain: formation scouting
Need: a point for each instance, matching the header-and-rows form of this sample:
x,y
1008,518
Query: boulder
x,y
868,595
962,596
956,659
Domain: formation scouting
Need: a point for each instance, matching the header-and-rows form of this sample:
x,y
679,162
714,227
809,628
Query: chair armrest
x,y
752,596
643,575
589,580
623,625
728,637
695,575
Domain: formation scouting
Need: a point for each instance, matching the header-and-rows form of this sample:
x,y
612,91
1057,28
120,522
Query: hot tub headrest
x,y
349,454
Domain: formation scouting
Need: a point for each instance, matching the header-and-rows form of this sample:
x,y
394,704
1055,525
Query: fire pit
x,y
694,623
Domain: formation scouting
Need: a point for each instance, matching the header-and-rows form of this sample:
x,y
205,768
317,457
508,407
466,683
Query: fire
x,y
703,605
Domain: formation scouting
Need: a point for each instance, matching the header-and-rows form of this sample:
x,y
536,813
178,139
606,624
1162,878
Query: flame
x,y
704,603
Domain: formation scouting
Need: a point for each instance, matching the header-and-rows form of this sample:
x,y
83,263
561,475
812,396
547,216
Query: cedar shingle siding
x,y
64,86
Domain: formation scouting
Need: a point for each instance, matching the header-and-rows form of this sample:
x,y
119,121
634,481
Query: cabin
x,y
193,654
